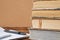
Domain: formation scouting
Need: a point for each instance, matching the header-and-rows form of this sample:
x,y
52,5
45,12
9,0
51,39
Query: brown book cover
x,y
15,13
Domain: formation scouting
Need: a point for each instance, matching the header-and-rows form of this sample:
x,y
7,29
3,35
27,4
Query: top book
x,y
15,13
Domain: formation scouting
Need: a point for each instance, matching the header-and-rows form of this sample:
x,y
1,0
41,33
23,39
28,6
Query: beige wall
x,y
51,24
46,13
46,4
47,24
